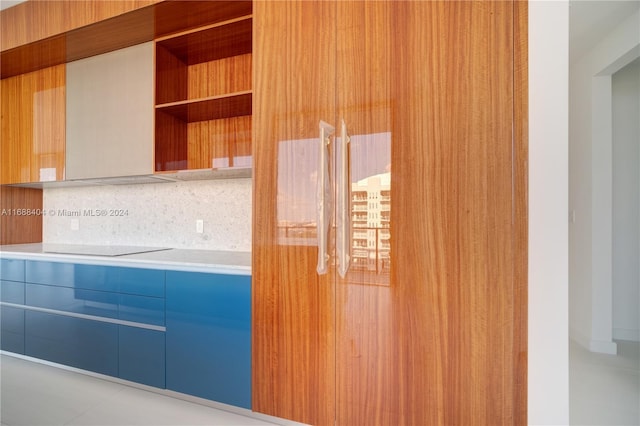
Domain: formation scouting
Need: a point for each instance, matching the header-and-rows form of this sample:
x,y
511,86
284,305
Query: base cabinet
x,y
12,329
184,331
141,356
76,342
209,336
12,319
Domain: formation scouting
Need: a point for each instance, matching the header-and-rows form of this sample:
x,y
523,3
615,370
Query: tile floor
x,y
604,389
36,394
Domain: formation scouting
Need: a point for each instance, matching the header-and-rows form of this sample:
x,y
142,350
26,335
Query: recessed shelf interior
x,y
203,97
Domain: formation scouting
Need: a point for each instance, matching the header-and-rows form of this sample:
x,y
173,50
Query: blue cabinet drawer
x,y
65,275
89,345
11,270
209,336
12,292
141,356
12,329
80,301
144,282
142,309
12,319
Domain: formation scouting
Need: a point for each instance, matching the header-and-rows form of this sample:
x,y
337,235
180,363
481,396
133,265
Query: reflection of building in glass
x,y
370,217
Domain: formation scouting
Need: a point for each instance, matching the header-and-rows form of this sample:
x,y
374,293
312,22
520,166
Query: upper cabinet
x,y
49,19
203,97
110,114
151,86
32,146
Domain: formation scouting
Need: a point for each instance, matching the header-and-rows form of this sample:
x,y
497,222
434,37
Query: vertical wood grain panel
x,y
171,143
171,77
16,227
218,143
452,233
219,77
33,125
14,147
521,210
442,339
293,308
49,130
366,378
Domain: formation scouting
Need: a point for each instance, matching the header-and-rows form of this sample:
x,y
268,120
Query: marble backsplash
x,y
160,214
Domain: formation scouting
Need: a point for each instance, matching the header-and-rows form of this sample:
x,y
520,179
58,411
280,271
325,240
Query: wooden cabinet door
x,y
428,326
32,146
293,364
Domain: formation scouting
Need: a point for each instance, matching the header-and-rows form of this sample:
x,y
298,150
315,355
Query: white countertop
x,y
216,261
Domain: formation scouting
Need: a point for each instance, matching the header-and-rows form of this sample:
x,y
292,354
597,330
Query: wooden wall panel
x,y
20,215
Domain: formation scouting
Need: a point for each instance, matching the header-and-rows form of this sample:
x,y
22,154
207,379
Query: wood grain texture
x,y
442,339
521,210
171,77
452,206
215,42
231,105
293,337
36,20
122,30
175,16
16,226
218,143
66,30
171,143
220,77
33,125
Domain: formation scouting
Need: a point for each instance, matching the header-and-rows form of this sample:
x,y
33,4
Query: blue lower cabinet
x,y
76,342
208,320
12,269
11,318
12,329
87,302
146,310
141,356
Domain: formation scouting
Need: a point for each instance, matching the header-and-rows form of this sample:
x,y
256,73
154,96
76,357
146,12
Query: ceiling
x,y
591,20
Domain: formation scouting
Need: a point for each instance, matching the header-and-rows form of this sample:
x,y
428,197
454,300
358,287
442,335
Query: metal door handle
x,y
323,198
343,230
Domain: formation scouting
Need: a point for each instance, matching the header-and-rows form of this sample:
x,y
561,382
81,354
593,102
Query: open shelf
x,y
212,108
220,40
204,97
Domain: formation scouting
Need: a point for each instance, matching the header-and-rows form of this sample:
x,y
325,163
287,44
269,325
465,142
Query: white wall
x,y
548,379
626,202
590,182
160,214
